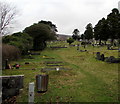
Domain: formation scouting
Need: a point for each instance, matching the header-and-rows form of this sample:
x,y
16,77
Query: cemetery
x,y
40,65
66,75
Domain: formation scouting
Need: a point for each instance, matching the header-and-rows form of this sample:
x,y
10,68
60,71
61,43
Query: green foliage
x,y
88,34
20,40
108,28
75,35
53,27
41,32
114,24
70,40
101,30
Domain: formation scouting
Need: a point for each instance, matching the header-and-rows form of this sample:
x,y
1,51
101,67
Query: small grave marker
x,y
57,69
31,93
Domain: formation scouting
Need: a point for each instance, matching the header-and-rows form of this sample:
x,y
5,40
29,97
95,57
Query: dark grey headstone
x,y
102,57
11,85
98,56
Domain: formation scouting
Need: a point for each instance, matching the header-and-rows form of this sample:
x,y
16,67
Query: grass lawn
x,y
86,80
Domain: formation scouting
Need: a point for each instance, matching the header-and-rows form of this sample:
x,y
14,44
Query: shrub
x,y
70,40
20,40
10,52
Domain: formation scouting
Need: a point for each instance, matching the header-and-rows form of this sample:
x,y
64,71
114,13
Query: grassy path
x,y
96,82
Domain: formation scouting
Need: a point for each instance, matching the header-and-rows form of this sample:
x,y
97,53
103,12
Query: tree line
x,y
105,29
35,36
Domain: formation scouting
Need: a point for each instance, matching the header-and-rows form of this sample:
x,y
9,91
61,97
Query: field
x,y
86,80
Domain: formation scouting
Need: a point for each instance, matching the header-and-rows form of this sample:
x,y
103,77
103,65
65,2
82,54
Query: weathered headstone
x,y
11,85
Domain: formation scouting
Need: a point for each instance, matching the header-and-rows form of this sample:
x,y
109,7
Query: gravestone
x,y
102,57
112,59
78,47
109,47
98,56
31,93
11,85
7,65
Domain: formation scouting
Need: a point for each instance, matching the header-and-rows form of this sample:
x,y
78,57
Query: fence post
x,y
31,93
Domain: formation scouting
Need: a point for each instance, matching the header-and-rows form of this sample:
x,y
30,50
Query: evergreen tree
x,y
114,24
76,35
88,32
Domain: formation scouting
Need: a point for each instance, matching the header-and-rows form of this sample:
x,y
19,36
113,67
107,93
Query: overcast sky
x,y
67,15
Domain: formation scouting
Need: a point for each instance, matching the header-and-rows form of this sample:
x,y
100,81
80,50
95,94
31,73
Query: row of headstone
x,y
110,59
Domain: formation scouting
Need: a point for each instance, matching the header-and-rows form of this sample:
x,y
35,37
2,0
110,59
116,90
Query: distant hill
x,y
63,37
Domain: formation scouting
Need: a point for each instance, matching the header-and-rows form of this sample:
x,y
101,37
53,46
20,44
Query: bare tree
x,y
7,15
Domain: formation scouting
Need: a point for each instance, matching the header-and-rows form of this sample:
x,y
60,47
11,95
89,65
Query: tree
x,y
101,31
82,36
53,27
7,15
88,32
20,40
70,40
114,24
75,35
41,32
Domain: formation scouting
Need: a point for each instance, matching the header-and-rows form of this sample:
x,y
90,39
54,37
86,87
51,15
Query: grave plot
x,y
57,69
53,63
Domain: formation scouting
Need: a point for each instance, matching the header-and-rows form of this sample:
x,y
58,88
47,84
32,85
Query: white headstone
x,y
31,93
